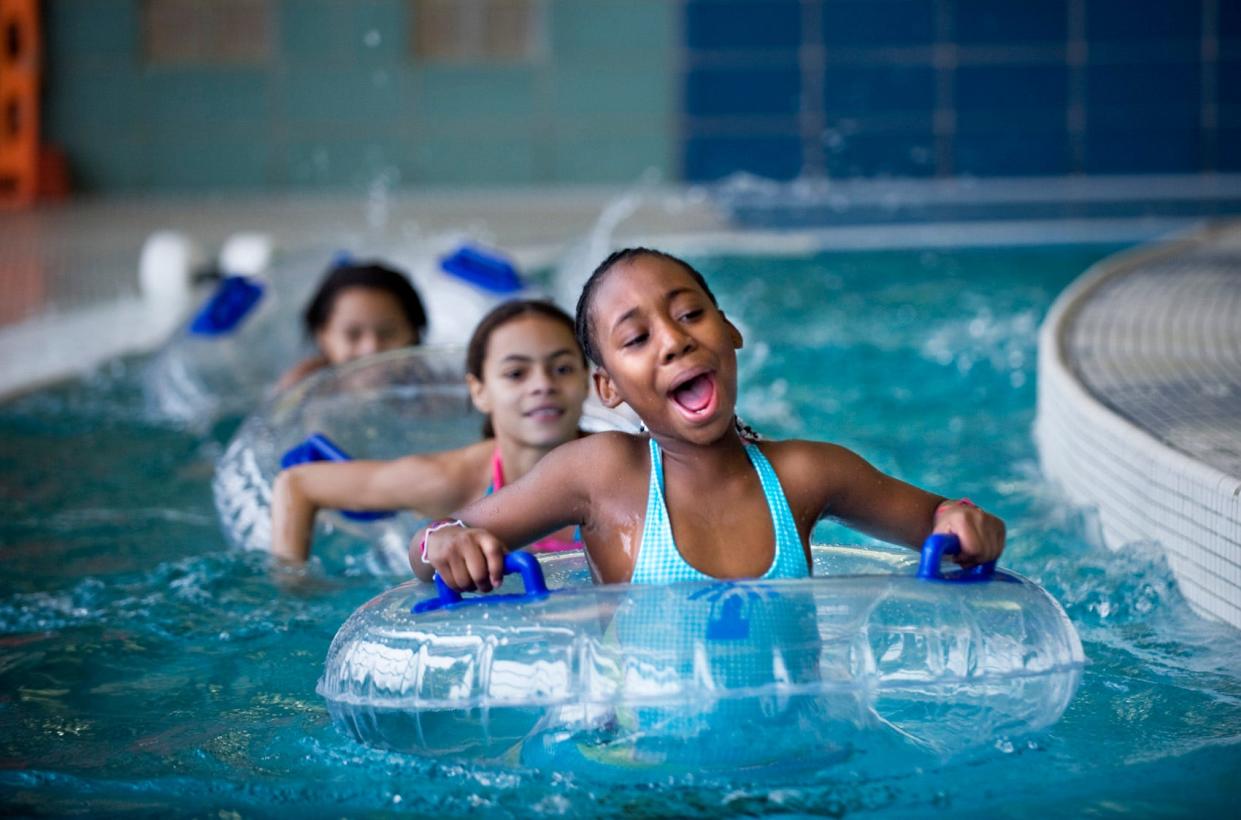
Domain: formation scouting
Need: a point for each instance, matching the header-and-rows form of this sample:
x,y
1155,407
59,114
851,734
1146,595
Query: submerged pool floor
x,y
145,668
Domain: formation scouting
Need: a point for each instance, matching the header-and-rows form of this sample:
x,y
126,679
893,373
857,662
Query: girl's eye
x,y
566,370
512,375
691,315
635,341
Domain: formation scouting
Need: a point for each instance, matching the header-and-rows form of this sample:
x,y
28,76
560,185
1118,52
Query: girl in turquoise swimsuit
x,y
524,370
692,498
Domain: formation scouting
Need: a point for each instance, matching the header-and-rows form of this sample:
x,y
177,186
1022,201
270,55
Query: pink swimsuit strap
x,y
549,544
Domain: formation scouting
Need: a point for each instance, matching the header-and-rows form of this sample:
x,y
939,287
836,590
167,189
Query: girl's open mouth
x,y
695,395
545,413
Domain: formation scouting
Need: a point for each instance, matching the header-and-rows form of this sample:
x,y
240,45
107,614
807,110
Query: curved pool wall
x,y
1139,406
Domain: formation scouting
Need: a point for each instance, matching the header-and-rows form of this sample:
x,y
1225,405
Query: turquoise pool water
x,y
144,667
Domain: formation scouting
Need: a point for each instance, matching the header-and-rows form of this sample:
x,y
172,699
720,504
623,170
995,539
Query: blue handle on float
x,y
487,270
231,302
519,562
935,548
319,447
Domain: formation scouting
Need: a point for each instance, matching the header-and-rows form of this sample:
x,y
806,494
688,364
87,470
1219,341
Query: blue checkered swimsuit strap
x,y
659,560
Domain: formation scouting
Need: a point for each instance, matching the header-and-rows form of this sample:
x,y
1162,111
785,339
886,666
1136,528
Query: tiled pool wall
x,y
968,87
695,89
1143,490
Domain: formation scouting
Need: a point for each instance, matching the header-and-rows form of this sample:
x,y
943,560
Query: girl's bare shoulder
x,y
819,468
799,455
604,451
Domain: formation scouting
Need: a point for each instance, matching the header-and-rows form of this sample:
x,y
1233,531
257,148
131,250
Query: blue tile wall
x,y
1143,21
775,157
1013,152
860,90
1143,151
753,24
1016,22
867,152
1230,149
867,23
759,90
980,87
1011,88
1230,21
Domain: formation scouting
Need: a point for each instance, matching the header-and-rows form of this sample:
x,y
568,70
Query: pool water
x,y
145,667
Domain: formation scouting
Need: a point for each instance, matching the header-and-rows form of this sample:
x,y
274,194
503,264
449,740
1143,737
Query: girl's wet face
x,y
363,321
534,381
666,349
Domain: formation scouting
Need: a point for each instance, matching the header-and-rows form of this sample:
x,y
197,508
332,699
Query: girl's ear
x,y
478,395
606,389
738,339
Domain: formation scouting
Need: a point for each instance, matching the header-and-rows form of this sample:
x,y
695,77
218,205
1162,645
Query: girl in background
x,y
359,310
525,372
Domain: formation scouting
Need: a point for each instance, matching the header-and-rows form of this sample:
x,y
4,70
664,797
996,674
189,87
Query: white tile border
x,y
1143,489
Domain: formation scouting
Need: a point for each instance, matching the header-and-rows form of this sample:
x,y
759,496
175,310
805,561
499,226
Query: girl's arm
x,y
429,484
553,495
850,489
300,371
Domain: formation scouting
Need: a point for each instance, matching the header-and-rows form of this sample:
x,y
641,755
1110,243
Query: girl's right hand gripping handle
x,y
522,563
936,547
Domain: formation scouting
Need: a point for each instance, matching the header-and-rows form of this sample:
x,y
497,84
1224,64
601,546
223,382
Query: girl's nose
x,y
543,380
368,345
674,342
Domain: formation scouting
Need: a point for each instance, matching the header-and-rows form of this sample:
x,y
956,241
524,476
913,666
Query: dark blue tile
x,y
1133,84
743,91
743,24
1143,20
1011,87
1154,116
775,157
1013,153
1010,22
1010,119
865,153
1230,21
1229,149
1229,82
850,90
1144,151
859,23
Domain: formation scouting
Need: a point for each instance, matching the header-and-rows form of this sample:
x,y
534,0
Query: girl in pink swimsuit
x,y
525,372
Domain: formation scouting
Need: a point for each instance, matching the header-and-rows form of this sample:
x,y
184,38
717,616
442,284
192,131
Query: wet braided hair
x,y
583,323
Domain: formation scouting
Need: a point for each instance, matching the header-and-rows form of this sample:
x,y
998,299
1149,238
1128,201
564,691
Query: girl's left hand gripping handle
x,y
522,563
318,447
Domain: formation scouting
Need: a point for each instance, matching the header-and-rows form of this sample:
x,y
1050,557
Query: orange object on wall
x,y
20,46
